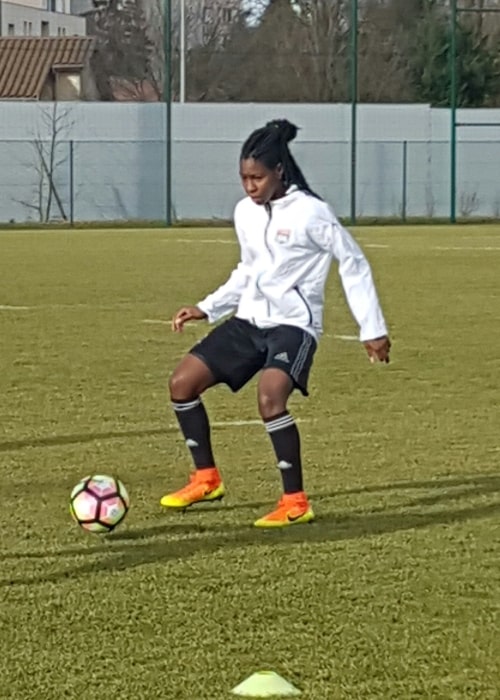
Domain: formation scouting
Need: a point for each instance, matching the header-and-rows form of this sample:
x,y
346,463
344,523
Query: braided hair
x,y
269,145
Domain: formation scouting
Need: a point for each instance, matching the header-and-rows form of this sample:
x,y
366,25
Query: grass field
x,y
393,594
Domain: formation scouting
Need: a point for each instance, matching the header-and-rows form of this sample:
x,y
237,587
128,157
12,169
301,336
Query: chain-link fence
x,y
102,181
379,88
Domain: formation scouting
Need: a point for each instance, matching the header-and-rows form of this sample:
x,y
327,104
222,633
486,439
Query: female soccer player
x,y
288,238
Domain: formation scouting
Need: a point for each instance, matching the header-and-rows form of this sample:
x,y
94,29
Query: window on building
x,y
45,29
25,28
61,31
11,29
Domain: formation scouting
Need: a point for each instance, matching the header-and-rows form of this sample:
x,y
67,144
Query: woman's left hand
x,y
378,349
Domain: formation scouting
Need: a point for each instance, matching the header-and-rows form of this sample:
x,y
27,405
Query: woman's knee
x,y
273,395
181,386
189,379
270,404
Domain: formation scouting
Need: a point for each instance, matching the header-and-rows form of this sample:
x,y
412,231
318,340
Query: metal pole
x,y
167,97
405,180
453,113
71,183
453,98
354,104
182,78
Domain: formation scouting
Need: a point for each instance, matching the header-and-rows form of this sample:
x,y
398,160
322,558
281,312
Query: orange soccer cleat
x,y
204,485
293,509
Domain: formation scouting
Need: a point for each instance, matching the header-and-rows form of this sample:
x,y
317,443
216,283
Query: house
x,y
46,68
79,7
39,18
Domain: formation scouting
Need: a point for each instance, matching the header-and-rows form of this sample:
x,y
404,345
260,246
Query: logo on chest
x,y
283,235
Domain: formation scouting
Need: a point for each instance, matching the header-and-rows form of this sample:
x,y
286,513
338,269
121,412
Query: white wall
x,y
56,5
40,4
119,158
59,22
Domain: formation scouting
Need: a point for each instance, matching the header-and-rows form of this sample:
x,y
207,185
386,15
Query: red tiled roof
x,y
26,62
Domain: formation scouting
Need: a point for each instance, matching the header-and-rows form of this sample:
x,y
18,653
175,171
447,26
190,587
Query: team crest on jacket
x,y
283,235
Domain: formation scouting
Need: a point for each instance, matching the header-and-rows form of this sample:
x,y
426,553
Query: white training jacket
x,y
287,247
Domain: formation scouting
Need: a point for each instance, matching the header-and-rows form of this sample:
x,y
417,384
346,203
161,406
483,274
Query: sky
x,y
254,6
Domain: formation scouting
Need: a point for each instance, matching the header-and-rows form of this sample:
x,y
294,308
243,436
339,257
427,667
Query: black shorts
x,y
236,350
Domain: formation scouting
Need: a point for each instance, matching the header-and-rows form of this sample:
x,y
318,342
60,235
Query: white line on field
x,y
480,248
42,307
226,242
198,240
240,423
343,337
157,321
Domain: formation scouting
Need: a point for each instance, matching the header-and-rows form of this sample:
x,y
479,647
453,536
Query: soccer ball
x,y
99,503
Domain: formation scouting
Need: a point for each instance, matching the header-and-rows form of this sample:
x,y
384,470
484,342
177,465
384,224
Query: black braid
x,y
269,145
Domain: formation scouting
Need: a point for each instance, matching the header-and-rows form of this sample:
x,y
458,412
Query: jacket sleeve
x,y
356,276
225,299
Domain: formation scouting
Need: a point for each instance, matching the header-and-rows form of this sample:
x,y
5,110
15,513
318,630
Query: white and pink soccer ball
x,y
99,503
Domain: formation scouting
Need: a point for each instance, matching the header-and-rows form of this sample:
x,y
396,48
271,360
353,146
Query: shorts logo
x,y
283,235
282,357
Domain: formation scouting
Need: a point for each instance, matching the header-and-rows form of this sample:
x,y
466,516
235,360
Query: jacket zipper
x,y
266,230
266,243
296,289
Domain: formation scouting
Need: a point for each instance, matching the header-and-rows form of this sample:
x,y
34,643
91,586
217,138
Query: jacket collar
x,y
289,196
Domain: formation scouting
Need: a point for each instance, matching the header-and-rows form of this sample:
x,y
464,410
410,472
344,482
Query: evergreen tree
x,y
430,64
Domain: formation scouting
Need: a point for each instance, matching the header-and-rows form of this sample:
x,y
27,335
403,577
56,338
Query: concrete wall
x,y
119,158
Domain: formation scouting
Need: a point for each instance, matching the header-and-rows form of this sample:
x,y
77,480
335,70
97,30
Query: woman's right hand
x,y
187,313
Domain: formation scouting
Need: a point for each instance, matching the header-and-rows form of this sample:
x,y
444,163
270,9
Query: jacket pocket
x,y
294,306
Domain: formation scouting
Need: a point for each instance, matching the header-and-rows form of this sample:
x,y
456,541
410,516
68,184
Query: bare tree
x,y
288,51
469,203
324,57
382,58
257,60
48,159
206,36
124,51
280,50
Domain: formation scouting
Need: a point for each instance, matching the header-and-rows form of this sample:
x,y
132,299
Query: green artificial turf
x,y
394,592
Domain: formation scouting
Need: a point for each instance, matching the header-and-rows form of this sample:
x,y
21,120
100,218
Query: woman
x,y
288,238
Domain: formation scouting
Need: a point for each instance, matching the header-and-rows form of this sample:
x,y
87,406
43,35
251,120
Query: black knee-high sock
x,y
286,442
193,421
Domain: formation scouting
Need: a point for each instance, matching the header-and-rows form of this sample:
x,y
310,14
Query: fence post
x,y
354,104
71,184
167,98
405,180
453,113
